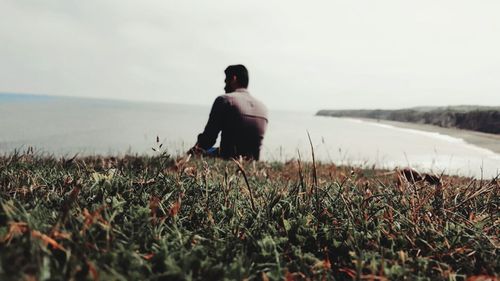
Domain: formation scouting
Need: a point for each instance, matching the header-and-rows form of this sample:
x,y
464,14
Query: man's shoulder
x,y
258,103
241,100
248,104
221,100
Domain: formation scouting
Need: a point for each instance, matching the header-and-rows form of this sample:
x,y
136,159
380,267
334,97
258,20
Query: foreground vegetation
x,y
136,218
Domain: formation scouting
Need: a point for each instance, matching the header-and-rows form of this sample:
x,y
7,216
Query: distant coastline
x,y
483,140
484,119
477,125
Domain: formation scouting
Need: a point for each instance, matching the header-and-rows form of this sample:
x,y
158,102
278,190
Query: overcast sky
x,y
305,55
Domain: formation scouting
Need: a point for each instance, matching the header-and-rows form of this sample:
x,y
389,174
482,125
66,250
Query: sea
x,y
64,127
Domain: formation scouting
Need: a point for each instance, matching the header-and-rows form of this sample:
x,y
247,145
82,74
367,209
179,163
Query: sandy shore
x,y
484,140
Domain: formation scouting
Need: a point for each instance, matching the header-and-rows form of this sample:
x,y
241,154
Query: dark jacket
x,y
243,122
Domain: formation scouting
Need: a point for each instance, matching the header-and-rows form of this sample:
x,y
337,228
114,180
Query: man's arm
x,y
214,125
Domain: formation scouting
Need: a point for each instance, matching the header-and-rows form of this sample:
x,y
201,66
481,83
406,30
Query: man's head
x,y
236,77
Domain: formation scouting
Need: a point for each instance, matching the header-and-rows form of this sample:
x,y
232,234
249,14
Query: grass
x,y
158,218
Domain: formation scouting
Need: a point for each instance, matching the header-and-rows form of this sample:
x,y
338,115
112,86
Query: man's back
x,y
241,118
243,121
245,127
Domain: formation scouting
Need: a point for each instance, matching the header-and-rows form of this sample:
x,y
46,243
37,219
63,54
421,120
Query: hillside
x,y
158,218
475,118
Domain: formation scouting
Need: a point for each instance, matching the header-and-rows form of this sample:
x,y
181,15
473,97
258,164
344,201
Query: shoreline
x,y
483,140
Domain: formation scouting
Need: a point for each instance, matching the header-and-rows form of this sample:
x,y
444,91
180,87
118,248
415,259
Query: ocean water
x,y
64,127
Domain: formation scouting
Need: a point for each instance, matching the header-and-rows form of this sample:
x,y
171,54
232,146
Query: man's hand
x,y
196,150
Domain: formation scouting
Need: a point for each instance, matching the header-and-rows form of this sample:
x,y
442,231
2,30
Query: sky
x,y
301,55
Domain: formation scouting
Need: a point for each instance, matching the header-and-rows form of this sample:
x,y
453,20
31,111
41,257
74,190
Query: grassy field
x,y
158,218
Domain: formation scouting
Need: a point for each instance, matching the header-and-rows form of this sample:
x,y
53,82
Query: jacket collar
x,y
241,90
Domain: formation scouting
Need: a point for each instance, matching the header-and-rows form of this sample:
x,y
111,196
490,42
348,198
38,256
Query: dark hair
x,y
241,73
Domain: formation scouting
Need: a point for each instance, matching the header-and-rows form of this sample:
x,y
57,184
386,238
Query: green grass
x,y
136,218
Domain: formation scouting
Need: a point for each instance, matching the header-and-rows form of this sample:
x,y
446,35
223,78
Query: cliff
x,y
476,118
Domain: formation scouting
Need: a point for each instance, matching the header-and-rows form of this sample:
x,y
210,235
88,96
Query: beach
x,y
483,140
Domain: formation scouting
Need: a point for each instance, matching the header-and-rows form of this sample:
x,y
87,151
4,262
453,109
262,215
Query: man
x,y
241,118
